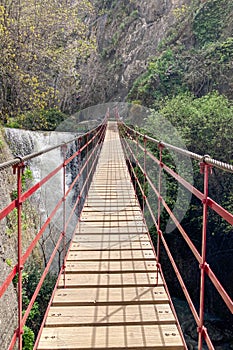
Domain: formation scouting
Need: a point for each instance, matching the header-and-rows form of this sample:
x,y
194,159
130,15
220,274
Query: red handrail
x,y
95,138
91,152
129,135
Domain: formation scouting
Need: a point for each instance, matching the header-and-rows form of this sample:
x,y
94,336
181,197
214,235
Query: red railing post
x,y
136,173
79,168
87,170
144,176
205,169
64,149
18,170
159,210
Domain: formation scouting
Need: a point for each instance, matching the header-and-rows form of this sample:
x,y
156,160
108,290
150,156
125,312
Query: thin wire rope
x,y
19,159
204,158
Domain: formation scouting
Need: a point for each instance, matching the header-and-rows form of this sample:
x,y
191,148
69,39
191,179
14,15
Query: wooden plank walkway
x,y
110,300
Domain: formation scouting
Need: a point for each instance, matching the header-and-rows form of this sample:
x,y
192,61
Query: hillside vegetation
x,y
189,81
42,44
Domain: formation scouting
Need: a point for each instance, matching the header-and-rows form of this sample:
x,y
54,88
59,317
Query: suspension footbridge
x,y
111,292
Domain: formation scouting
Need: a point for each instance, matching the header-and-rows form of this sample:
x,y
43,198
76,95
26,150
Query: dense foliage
x,y
31,277
201,64
42,44
207,120
212,22
44,119
189,83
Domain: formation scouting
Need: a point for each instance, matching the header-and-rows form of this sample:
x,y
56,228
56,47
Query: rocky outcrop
x,y
128,34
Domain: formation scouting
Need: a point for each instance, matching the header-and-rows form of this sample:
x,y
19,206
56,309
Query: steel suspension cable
x,y
204,158
18,159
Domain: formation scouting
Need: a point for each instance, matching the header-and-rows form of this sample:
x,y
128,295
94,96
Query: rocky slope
x,y
128,34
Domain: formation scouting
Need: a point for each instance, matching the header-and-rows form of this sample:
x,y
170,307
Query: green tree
x,y
28,338
41,45
205,125
207,120
163,78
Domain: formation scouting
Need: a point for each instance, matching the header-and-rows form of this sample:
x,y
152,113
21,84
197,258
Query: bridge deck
x,y
111,299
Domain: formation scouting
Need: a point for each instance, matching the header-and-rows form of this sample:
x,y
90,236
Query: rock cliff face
x,y
128,34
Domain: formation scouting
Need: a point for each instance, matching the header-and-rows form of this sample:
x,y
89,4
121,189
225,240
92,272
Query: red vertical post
x,y
144,177
136,170
18,169
64,148
159,210
87,170
79,168
205,168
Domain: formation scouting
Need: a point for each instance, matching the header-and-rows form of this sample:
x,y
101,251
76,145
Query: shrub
x,y
210,20
38,120
28,338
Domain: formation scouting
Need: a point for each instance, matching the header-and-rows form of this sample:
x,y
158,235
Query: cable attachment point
x,y
160,145
20,158
21,164
204,163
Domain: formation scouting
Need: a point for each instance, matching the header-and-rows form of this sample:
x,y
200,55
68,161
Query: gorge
x,y
175,57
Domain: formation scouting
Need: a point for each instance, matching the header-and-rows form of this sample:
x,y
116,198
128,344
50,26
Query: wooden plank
x,y
111,179
135,224
114,207
116,237
126,211
112,195
141,337
123,185
133,204
114,192
107,296
114,185
110,205
91,229
122,175
111,202
112,245
100,185
122,195
97,315
103,217
80,255
118,203
111,198
89,211
110,279
110,266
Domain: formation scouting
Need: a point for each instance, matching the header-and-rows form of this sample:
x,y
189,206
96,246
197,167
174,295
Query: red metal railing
x,y
131,137
89,151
